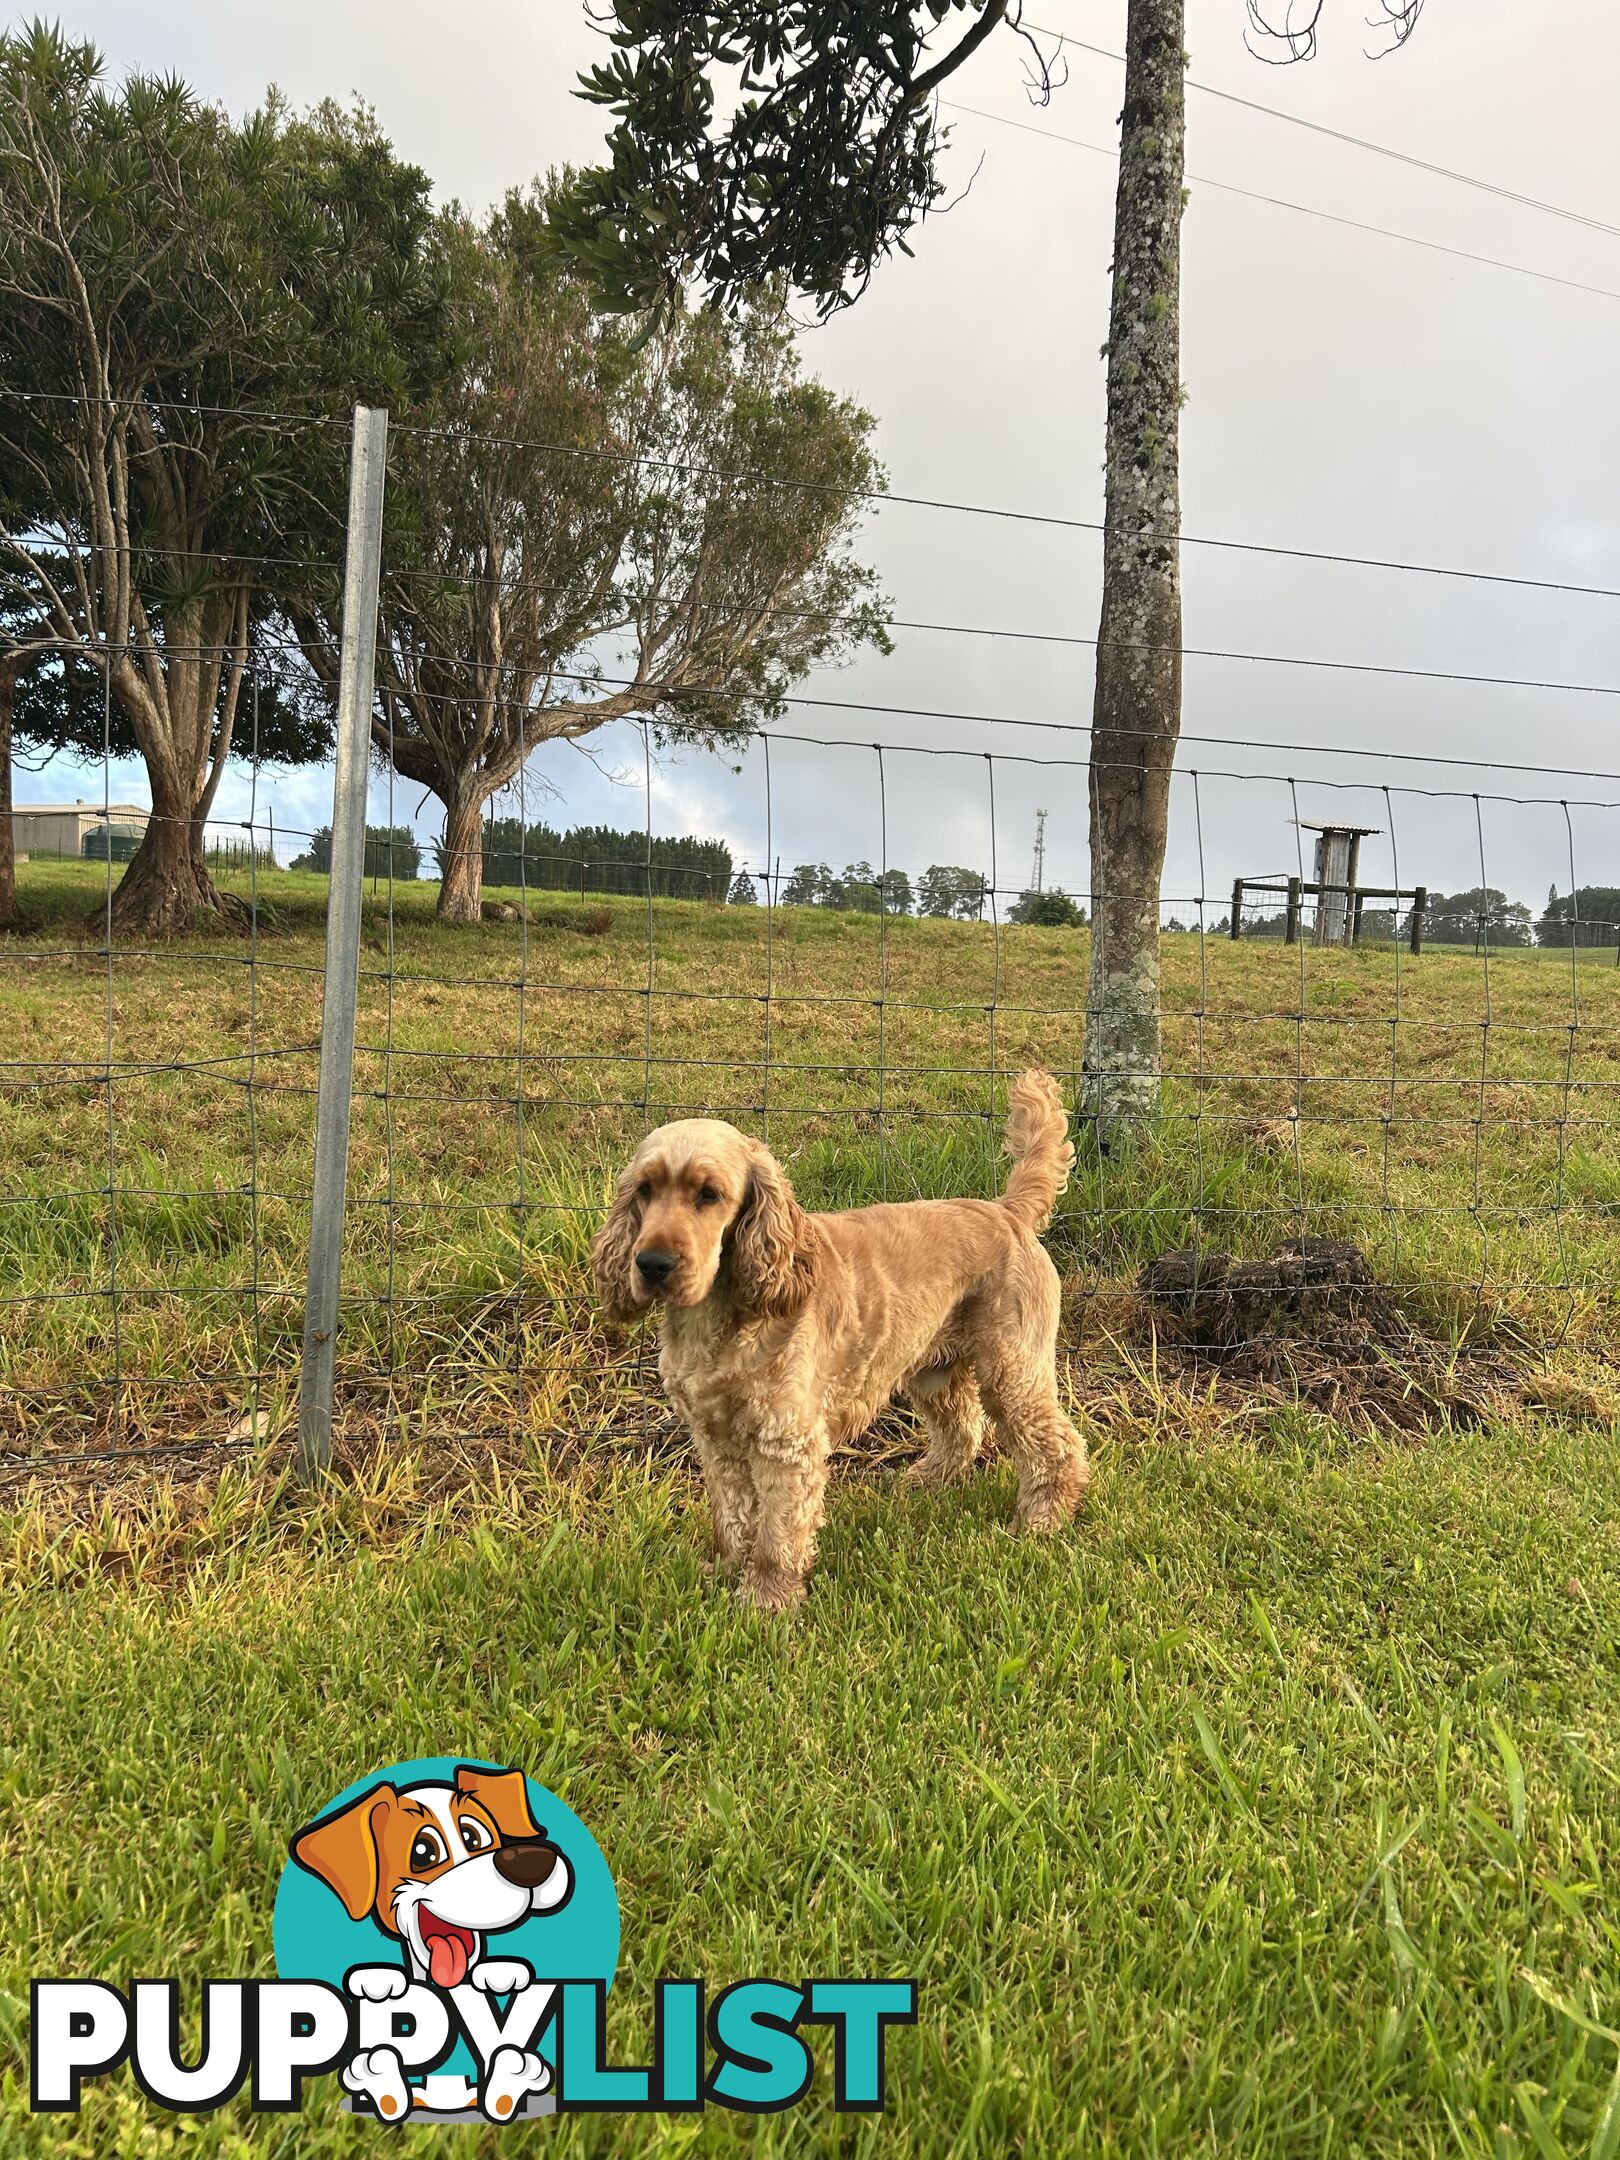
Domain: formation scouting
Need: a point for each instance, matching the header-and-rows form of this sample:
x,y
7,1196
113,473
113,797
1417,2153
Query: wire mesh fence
x,y
1449,1113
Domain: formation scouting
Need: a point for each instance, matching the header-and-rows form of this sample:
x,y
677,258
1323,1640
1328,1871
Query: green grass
x,y
1473,1162
1270,1812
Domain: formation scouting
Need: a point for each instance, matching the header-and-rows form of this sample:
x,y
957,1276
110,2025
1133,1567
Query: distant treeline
x,y
1588,916
596,859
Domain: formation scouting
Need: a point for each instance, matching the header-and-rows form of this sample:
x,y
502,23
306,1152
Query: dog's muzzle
x,y
656,1266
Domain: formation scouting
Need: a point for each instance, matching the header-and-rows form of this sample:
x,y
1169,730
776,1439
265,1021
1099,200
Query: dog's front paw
x,y
514,2073
380,2075
770,1590
501,1976
932,1471
377,1983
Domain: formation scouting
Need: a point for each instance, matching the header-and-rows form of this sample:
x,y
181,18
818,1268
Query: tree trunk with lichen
x,y
1137,710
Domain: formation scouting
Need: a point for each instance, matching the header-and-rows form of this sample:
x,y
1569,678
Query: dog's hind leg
x,y
1016,1356
951,1415
1051,1455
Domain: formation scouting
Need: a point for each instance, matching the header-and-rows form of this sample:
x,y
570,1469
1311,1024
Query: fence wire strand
x,y
505,1119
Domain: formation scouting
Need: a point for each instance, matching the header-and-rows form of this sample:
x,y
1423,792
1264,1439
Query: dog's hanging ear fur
x,y
342,1849
503,1795
772,1253
611,1253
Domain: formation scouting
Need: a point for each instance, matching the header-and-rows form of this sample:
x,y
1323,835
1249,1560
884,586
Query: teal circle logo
x,y
450,1874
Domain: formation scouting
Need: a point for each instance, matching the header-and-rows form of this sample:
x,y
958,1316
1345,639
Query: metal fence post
x,y
362,569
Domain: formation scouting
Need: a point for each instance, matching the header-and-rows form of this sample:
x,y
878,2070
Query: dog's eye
x,y
707,1196
644,1189
427,1850
473,1834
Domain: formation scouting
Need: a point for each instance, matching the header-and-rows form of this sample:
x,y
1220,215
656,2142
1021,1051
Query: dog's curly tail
x,y
1038,1142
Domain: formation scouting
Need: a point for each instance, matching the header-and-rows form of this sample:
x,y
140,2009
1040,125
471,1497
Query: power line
x,y
876,496
1282,202
1063,727
1358,142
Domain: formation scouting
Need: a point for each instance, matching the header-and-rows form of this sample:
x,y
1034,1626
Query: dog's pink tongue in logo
x,y
448,1950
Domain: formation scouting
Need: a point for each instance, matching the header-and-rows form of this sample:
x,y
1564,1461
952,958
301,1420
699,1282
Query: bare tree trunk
x,y
184,744
167,885
10,670
461,888
1137,713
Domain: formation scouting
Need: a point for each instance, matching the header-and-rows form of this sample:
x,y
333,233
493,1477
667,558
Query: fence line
x,y
493,1096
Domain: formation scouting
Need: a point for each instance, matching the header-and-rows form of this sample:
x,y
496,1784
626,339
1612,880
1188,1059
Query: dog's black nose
x,y
656,1264
528,1862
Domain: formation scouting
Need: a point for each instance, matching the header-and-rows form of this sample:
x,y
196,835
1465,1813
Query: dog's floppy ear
x,y
610,1254
503,1795
342,1849
772,1258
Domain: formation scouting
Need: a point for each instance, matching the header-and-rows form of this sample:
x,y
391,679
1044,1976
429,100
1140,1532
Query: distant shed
x,y
76,828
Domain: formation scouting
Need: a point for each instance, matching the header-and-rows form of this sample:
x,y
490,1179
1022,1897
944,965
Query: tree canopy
x,y
185,301
949,889
1469,918
1590,915
584,526
818,160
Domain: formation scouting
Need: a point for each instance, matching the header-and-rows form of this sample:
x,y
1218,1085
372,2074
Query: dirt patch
x,y
1312,1321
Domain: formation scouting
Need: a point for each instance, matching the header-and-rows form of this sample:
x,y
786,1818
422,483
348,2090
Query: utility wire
x,y
1358,142
877,496
1282,202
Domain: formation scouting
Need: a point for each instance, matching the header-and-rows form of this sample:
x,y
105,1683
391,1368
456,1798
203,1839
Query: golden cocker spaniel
x,y
785,1333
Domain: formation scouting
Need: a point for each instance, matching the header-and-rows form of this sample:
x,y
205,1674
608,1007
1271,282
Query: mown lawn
x,y
1270,1812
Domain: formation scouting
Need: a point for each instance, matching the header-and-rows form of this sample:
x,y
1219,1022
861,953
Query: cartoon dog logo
x,y
441,1868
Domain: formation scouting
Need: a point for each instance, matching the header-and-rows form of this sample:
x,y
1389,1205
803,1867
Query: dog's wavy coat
x,y
785,1333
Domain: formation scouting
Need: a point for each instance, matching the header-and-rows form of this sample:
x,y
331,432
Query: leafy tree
x,y
390,851
576,538
808,886
1052,910
1476,917
947,889
171,281
820,159
743,893
1588,916
869,892
56,701
898,897
822,166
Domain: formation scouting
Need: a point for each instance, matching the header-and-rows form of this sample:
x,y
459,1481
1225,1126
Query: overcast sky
x,y
1348,392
